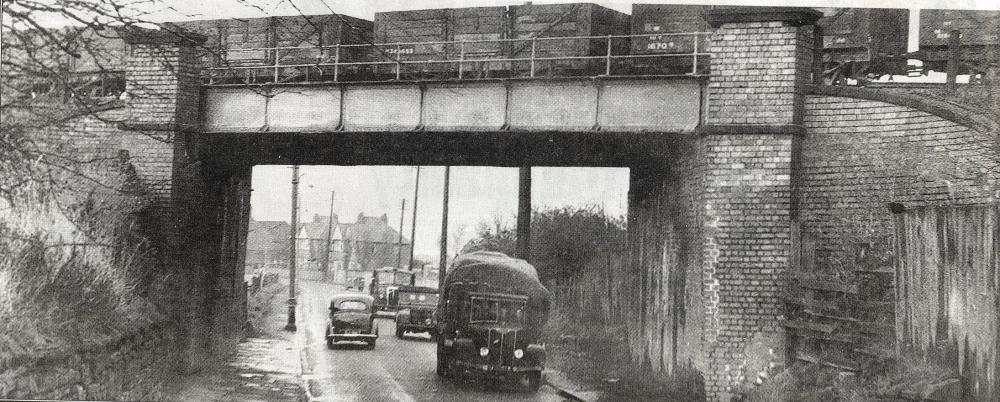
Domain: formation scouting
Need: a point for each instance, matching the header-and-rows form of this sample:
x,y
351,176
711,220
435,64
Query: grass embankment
x,y
74,268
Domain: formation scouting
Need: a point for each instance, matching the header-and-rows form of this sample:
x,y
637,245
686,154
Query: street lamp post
x,y
295,229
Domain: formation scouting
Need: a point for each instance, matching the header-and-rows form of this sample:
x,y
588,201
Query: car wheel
x,y
531,381
399,332
329,343
371,344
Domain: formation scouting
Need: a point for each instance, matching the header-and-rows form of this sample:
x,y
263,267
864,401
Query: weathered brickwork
x,y
759,69
859,155
761,63
162,83
748,222
665,256
134,367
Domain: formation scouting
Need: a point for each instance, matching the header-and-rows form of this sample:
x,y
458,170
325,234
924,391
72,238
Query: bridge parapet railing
x,y
679,54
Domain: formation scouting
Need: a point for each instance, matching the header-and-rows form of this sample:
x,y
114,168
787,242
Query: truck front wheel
x,y
531,381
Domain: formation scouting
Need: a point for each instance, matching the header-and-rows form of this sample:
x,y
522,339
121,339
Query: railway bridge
x,y
722,167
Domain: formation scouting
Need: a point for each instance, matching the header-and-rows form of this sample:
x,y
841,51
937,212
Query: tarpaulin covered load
x,y
492,271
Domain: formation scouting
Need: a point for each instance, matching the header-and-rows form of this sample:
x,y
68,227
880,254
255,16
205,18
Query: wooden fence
x,y
947,298
842,320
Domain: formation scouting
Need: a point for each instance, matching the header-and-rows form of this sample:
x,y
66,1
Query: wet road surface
x,y
396,370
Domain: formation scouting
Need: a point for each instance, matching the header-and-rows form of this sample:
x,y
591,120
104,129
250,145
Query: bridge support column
x,y
161,77
762,58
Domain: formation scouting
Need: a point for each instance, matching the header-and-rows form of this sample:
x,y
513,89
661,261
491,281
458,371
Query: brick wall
x,y
859,155
136,366
759,69
761,62
747,238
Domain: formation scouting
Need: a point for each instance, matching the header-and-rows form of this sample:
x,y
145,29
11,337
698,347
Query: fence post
x,y
398,54
461,58
694,56
532,74
607,64
336,62
276,63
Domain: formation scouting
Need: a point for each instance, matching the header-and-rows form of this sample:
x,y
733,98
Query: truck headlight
x,y
483,351
518,353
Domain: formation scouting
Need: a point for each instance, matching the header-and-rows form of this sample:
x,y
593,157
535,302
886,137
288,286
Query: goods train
x,y
568,39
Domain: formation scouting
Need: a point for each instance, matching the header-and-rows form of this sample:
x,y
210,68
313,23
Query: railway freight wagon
x,y
980,39
662,36
862,41
241,49
493,37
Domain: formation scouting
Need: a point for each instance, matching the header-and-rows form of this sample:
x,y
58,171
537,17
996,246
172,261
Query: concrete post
x,y
762,59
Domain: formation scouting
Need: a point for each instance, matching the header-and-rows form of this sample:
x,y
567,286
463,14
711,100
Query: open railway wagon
x,y
980,40
515,41
669,39
278,49
863,43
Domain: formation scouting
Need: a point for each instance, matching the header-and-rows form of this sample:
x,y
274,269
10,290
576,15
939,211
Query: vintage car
x,y
352,318
416,309
490,319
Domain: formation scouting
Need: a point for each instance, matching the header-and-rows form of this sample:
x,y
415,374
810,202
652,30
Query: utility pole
x,y
413,227
443,261
329,239
295,229
523,241
399,244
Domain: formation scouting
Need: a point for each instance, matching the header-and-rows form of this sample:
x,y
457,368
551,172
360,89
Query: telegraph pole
x,y
399,249
295,229
413,227
329,239
443,261
523,241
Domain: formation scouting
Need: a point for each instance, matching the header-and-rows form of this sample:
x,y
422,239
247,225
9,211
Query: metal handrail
x,y
272,55
545,38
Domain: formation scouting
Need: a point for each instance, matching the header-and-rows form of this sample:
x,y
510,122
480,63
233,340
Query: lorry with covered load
x,y
490,318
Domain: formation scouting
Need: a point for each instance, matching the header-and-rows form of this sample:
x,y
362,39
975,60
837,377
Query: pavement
x,y
284,366
265,368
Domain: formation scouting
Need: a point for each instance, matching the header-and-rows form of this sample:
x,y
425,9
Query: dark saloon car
x,y
352,318
416,309
490,319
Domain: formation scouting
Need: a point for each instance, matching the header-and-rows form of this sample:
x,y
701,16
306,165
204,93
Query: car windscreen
x,y
489,310
352,305
429,299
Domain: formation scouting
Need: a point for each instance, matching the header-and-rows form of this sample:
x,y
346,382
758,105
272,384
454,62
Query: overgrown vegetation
x,y
565,244
260,304
75,269
906,378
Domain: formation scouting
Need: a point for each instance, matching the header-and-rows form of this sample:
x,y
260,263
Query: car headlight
x,y
483,351
518,353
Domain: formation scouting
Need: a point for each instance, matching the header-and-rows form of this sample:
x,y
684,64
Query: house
x,y
356,249
267,245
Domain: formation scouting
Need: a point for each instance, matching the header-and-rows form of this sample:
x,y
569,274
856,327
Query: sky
x,y
477,194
